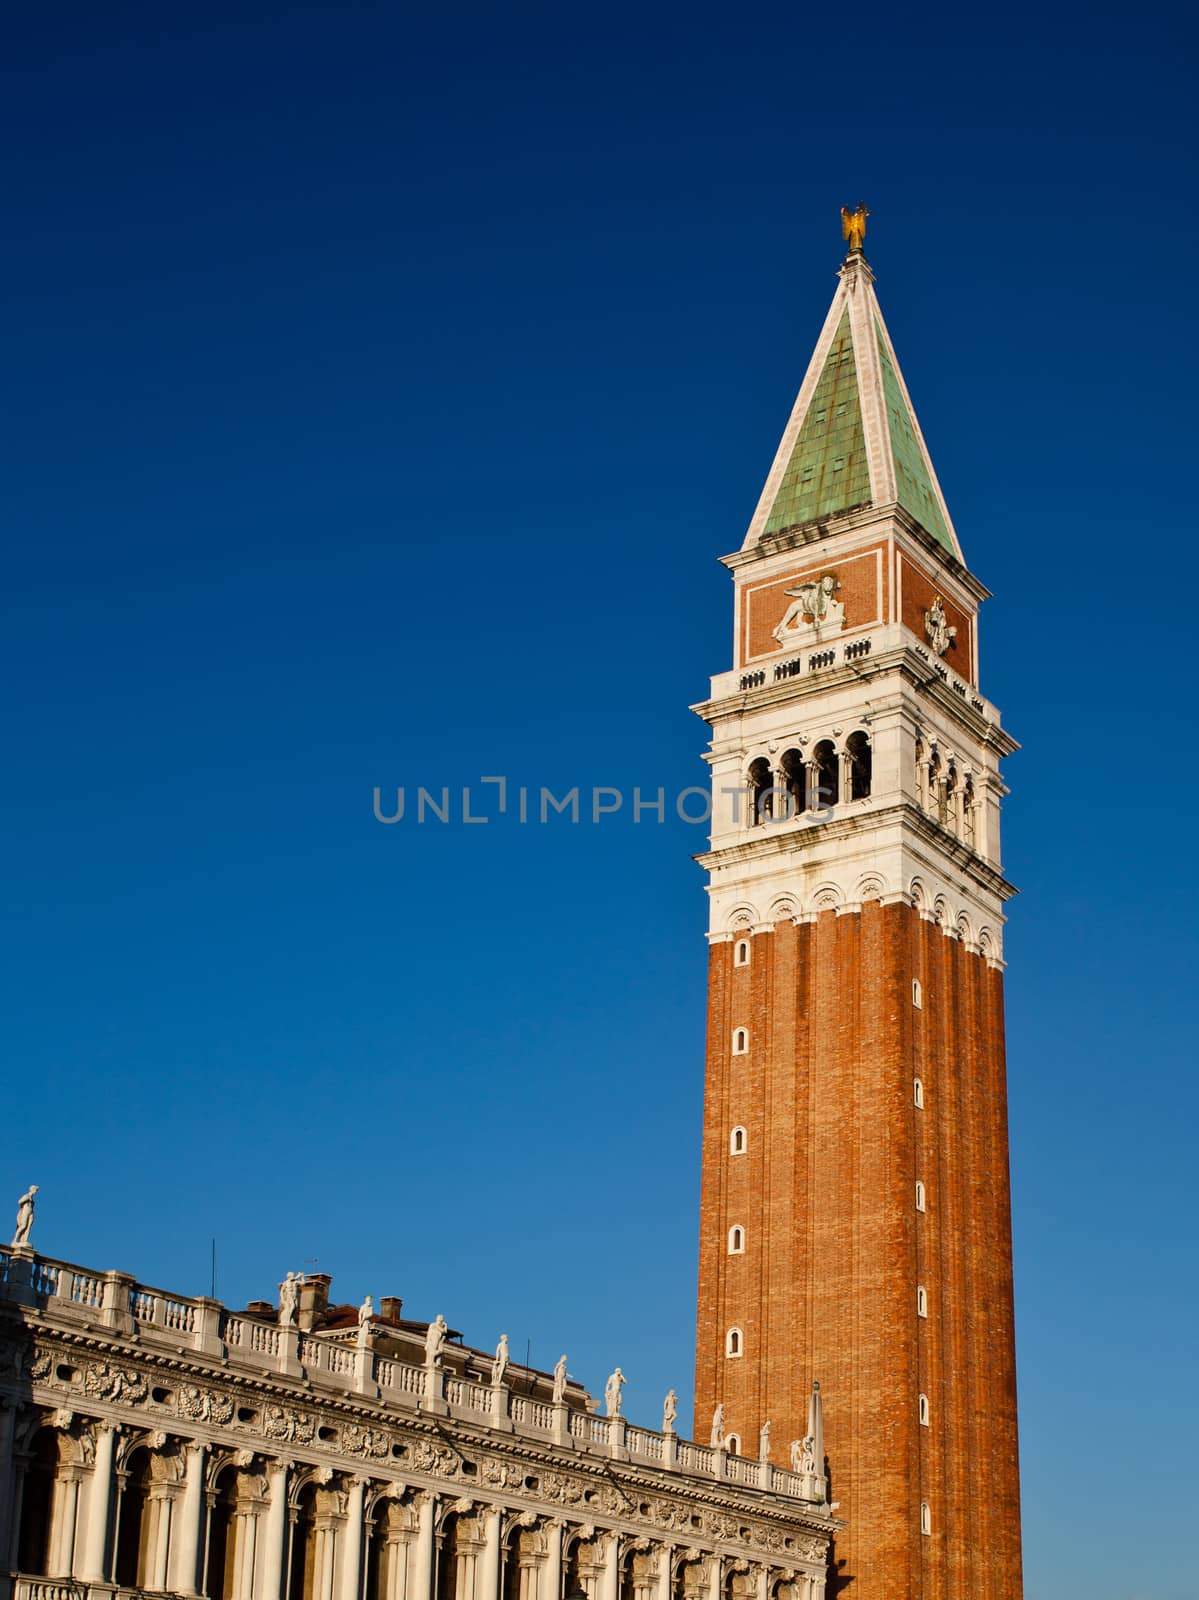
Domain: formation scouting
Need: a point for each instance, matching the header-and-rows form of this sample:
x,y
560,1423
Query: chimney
x,y
390,1307
314,1299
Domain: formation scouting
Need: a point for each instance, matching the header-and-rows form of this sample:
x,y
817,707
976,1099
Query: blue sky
x,y
382,385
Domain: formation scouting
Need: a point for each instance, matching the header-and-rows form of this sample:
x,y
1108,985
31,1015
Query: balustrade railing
x,y
265,1344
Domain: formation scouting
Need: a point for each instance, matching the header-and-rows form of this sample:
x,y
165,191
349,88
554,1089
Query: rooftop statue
x,y
853,225
560,1380
289,1298
500,1365
435,1340
20,1238
612,1392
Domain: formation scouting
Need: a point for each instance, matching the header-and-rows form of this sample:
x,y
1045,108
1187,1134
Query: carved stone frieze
x,y
204,1405
104,1380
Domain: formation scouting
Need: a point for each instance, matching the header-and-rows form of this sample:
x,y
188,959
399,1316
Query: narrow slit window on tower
x,y
740,1041
732,1342
741,953
918,1093
921,1300
917,995
919,1195
926,1517
737,1142
736,1240
732,1444
923,1410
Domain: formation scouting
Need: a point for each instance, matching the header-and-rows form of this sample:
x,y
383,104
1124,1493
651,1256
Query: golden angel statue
x,y
853,225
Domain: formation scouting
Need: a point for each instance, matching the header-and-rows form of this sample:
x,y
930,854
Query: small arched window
x,y
857,748
918,1093
795,781
740,1041
920,1197
926,1517
917,995
923,1410
741,953
761,790
732,1444
738,1141
921,1300
732,1343
736,1240
828,775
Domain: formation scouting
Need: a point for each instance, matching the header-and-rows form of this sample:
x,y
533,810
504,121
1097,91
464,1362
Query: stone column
x,y
715,1574
420,1585
551,1584
275,1536
487,1581
351,1566
99,1507
245,1554
609,1582
665,1563
64,1516
185,1558
162,1503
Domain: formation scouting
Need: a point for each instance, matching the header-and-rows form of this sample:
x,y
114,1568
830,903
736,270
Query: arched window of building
x,y
795,782
923,1410
740,1041
37,1500
926,1517
918,1093
133,1524
736,1240
917,994
303,1546
857,747
919,1195
738,1142
221,1565
732,1342
761,790
828,775
921,1300
968,804
741,953
732,1444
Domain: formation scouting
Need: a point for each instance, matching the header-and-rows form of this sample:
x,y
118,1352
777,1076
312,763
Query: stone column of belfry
x,y
855,953
274,1542
99,1507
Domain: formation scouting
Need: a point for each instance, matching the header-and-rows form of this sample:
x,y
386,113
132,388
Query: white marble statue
x,y
717,1437
365,1312
937,629
20,1239
796,1456
560,1381
500,1365
435,1340
612,1392
764,1441
289,1300
817,601
670,1410
807,1461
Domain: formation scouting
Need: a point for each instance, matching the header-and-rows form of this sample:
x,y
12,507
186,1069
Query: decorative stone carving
x,y
937,630
107,1382
292,1426
560,1381
814,612
20,1239
428,1457
204,1405
365,1441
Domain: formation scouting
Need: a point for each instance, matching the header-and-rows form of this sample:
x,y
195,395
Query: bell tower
x,y
855,1216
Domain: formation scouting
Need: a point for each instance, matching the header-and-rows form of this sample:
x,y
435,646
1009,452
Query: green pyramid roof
x,y
853,439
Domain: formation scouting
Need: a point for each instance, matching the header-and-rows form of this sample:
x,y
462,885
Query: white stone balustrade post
x,y
114,1302
617,1435
185,1559
351,1566
274,1536
99,1507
